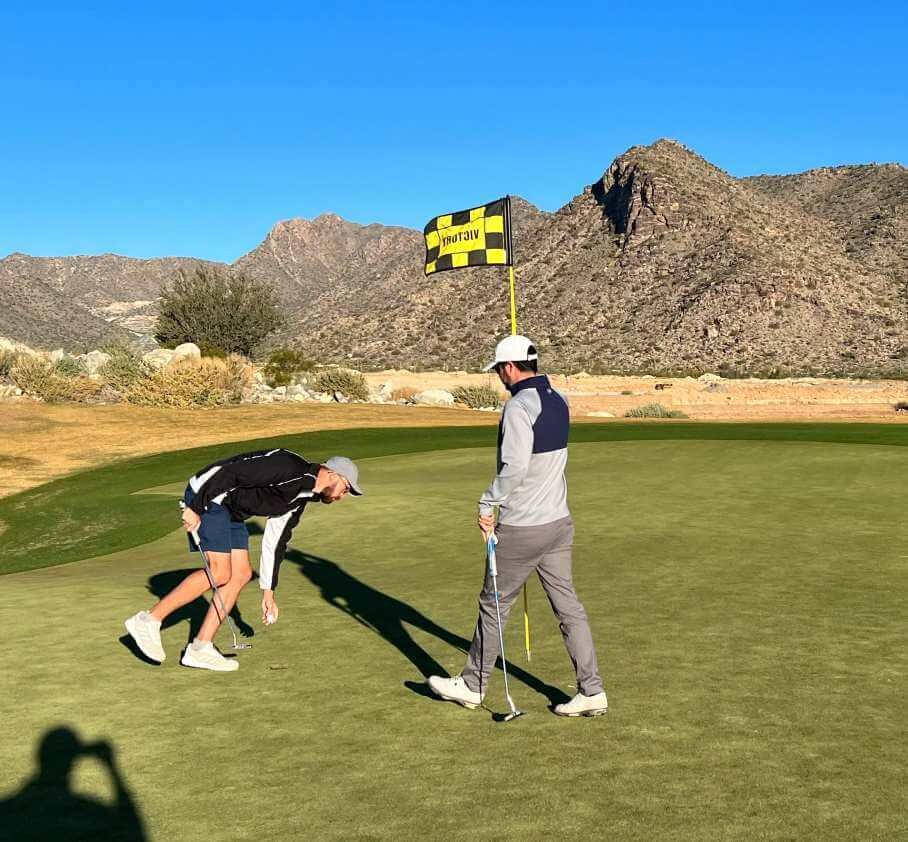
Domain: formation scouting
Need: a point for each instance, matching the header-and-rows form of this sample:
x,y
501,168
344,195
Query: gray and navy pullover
x,y
530,488
275,483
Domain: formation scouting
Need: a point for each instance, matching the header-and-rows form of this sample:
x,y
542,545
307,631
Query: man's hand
x,y
486,525
191,520
269,608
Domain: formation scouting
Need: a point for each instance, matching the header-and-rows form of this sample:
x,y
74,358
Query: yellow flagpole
x,y
513,302
526,602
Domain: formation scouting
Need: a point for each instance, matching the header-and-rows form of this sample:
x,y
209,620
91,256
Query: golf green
x,y
747,598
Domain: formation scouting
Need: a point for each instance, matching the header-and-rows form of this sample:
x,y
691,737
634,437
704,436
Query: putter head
x,y
508,717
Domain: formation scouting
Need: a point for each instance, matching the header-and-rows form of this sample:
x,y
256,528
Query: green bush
x,y
217,309
349,383
36,376
284,365
653,410
69,367
476,397
123,369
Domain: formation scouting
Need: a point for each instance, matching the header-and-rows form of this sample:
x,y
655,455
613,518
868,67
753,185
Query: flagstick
x,y
513,301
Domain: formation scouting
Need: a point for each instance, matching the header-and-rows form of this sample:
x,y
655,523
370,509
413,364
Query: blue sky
x,y
161,131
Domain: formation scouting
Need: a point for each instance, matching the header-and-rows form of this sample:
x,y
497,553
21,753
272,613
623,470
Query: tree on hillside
x,y
218,310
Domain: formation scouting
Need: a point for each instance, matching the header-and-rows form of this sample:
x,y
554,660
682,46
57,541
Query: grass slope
x,y
747,598
94,512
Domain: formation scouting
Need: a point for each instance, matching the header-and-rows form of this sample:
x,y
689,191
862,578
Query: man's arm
x,y
274,546
516,450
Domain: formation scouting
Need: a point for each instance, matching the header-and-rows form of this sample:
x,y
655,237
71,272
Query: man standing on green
x,y
535,531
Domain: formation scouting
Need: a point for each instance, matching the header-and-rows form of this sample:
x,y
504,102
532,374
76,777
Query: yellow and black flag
x,y
474,237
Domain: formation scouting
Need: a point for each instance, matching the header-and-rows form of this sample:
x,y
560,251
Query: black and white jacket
x,y
275,483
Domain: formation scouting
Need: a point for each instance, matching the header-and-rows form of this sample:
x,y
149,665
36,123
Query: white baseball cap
x,y
513,349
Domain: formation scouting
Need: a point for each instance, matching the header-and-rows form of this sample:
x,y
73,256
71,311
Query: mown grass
x,y
747,599
747,593
94,512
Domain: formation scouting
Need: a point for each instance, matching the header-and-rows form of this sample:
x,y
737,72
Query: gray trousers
x,y
521,550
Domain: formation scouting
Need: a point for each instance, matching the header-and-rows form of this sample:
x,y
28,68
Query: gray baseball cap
x,y
346,468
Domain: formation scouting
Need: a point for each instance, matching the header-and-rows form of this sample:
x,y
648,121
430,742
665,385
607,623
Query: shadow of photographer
x,y
47,808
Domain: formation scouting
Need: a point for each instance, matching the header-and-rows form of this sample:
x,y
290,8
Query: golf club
x,y
219,603
493,573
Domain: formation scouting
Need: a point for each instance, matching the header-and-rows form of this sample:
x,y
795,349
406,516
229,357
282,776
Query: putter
x,y
493,573
219,603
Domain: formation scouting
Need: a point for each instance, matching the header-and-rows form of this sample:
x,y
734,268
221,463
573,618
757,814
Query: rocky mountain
x,y
665,263
81,300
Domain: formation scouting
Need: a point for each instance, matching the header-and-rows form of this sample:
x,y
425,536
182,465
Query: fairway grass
x,y
747,598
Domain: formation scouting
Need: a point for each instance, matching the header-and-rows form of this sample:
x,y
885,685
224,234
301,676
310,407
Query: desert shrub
x,y
284,365
36,376
653,410
626,392
123,369
238,374
69,367
349,383
209,350
476,397
7,361
217,308
404,393
191,383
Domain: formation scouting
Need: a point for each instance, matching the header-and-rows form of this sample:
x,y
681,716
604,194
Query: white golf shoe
x,y
145,630
582,705
454,690
205,657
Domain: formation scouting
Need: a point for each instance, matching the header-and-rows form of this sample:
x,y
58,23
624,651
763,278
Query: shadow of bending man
x,y
47,808
389,618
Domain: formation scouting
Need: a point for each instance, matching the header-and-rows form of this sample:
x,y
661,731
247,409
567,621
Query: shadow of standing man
x,y
387,616
47,808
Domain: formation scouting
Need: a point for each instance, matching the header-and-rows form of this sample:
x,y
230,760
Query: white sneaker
x,y
145,630
204,656
454,690
582,705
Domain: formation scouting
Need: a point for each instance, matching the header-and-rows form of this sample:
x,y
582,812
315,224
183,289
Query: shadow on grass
x,y
389,618
47,808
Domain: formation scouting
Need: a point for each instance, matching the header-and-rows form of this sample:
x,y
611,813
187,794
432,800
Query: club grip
x,y
490,552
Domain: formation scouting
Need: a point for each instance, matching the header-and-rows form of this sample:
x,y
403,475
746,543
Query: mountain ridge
x,y
664,262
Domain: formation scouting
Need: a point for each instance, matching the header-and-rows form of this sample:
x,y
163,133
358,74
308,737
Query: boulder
x,y
56,356
159,357
709,378
279,391
94,361
15,347
188,350
296,391
434,397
